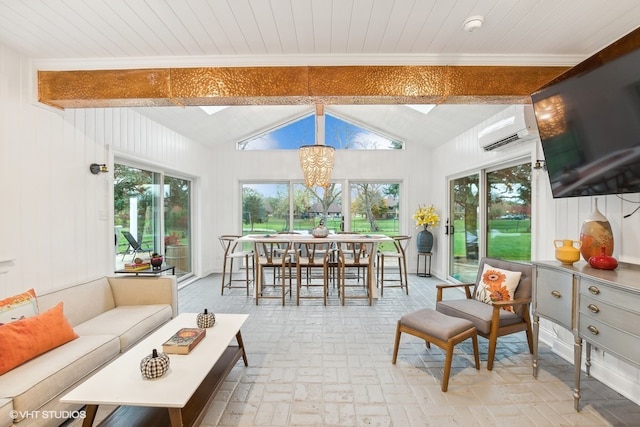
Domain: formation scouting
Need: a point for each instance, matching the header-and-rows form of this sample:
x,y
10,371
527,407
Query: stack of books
x,y
137,267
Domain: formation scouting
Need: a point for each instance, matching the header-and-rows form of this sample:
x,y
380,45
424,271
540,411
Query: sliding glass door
x,y
509,213
464,227
177,223
152,213
489,215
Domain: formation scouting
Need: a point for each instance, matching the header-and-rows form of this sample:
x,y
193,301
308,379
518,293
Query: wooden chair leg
x,y
224,275
492,352
474,339
447,366
406,279
397,344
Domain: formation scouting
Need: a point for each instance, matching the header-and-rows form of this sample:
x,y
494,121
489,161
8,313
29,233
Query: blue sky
x,y
338,133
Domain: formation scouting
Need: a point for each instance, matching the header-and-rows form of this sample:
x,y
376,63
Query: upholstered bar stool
x,y
440,329
230,245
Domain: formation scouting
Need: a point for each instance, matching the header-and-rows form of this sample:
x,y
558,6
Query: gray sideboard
x,y
601,307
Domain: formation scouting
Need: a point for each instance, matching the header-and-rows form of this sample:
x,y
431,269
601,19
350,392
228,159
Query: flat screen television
x,y
589,127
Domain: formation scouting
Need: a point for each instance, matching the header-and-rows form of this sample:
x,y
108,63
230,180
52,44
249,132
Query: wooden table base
x,y
193,412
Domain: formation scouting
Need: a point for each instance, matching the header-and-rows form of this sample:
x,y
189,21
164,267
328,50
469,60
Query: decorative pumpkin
x,y
206,319
154,365
320,231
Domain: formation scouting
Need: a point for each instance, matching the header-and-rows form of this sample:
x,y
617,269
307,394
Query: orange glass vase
x,y
595,235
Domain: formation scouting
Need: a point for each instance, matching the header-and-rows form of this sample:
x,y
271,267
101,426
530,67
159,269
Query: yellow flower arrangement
x,y
426,216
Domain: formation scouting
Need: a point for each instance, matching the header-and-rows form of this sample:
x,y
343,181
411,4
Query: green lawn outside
x,y
387,227
509,239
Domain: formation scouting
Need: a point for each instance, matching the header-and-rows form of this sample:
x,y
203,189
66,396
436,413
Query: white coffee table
x,y
186,390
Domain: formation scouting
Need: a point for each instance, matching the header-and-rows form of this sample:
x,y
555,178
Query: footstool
x,y
440,329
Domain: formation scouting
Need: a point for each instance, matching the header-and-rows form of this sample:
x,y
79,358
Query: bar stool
x,y
309,257
229,244
354,255
401,244
279,259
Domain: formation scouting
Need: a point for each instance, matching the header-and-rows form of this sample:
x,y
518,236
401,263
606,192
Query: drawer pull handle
x,y
594,290
593,308
556,294
593,330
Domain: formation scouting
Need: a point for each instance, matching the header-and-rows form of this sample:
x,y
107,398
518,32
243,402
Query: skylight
x,y
212,109
422,108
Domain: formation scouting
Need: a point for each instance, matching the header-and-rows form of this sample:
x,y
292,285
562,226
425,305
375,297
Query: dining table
x,y
333,238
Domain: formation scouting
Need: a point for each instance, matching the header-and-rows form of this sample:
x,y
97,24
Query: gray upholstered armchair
x,y
491,319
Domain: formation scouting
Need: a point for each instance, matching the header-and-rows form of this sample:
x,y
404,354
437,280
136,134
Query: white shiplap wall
x,y
551,219
56,219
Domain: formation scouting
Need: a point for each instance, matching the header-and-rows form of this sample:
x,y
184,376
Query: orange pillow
x,y
25,339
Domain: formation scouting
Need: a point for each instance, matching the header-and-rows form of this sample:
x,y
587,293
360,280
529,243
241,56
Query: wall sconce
x,y
96,168
540,164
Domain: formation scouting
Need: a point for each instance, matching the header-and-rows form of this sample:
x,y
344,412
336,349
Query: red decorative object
x,y
604,261
156,261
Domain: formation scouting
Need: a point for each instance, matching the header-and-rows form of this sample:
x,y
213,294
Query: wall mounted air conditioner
x,y
517,127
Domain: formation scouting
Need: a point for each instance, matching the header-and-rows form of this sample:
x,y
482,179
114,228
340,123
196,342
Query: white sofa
x,y
109,314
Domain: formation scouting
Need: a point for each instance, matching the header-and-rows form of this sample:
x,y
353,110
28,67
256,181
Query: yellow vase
x,y
566,251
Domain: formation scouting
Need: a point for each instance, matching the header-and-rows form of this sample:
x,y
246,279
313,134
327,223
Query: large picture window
x,y
275,207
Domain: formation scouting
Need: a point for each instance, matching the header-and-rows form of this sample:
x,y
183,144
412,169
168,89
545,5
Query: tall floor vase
x,y
596,235
424,241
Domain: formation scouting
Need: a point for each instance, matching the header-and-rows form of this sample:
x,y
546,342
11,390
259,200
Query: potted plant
x,y
424,217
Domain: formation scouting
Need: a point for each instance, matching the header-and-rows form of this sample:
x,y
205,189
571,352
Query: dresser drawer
x,y
614,296
611,315
610,339
554,296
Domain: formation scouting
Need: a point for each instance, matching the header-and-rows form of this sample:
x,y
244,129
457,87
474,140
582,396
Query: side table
x,y
426,268
148,271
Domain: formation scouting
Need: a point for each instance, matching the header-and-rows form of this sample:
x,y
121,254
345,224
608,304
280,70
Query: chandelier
x,y
317,160
317,163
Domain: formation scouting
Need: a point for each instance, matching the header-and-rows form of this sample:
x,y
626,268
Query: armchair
x,y
493,320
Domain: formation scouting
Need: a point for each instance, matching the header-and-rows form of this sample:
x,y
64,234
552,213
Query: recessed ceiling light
x,y
473,23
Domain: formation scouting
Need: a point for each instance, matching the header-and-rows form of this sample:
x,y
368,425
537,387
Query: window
x,y
283,206
489,214
177,223
140,208
375,208
265,208
509,213
339,134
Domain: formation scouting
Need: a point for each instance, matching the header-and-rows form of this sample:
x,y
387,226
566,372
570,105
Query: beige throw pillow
x,y
497,284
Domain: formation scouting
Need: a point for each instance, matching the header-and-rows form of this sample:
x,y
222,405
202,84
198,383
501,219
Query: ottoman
x,y
441,330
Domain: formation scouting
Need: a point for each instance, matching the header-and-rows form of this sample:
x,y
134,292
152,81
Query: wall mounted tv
x,y
589,126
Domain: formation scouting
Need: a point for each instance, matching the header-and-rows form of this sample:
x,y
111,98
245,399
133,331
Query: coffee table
x,y
182,395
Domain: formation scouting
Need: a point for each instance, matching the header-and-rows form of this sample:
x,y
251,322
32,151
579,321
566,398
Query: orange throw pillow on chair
x,y
28,338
